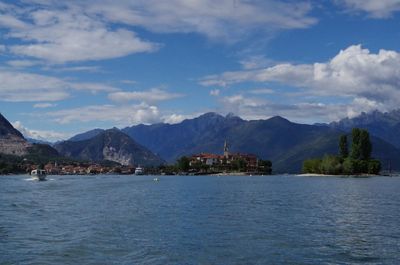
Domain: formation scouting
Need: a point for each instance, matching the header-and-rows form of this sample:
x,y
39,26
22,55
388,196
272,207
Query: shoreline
x,y
341,175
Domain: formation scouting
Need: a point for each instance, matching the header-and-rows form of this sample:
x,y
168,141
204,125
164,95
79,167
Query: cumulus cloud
x,y
119,115
152,95
374,8
50,136
175,118
354,73
252,108
27,87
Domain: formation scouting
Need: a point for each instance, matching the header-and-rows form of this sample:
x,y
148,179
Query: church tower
x,y
226,150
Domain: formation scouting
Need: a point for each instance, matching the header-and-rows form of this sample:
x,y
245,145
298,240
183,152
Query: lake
x,y
199,220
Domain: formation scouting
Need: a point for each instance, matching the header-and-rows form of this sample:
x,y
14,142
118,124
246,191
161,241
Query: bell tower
x,y
226,150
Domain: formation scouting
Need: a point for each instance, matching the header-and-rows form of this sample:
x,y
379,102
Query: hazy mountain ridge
x,y
112,145
86,135
383,125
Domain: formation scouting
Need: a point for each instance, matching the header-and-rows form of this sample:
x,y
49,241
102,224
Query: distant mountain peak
x,y
113,145
86,135
278,119
209,115
7,130
385,125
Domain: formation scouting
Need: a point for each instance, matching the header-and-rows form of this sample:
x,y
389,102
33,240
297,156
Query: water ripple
x,y
199,220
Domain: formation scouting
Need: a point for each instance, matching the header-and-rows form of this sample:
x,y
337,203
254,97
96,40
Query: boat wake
x,y
31,179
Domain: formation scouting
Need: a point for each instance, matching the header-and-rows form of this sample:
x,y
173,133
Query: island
x,y
356,161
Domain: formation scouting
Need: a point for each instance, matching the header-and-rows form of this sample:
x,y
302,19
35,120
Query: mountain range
x,y
285,143
383,125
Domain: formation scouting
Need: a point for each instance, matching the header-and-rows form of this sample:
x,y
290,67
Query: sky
x,y
71,66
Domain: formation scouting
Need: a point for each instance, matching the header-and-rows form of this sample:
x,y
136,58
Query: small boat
x,y
139,171
156,179
40,174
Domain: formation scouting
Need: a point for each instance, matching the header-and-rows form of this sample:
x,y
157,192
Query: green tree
x,y
265,166
312,166
356,144
331,165
365,145
374,167
349,166
183,164
343,146
238,165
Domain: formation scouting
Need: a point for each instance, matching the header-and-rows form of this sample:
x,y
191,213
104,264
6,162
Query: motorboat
x,y
40,174
139,171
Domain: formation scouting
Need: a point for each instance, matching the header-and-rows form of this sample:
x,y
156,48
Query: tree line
x,y
355,161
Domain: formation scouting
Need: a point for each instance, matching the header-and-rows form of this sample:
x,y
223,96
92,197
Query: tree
x,y
331,165
365,145
343,147
349,166
312,166
265,166
355,145
184,164
374,166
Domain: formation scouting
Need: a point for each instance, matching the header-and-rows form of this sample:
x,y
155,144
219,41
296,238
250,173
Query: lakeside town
x,y
198,164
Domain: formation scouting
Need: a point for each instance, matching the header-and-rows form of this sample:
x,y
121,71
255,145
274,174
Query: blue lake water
x,y
199,220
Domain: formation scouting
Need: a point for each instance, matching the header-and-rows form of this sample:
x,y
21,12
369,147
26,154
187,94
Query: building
x,y
227,159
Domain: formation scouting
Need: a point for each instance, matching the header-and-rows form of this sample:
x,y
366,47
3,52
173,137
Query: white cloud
x,y
91,69
50,136
354,73
254,62
27,87
374,8
152,95
2,48
251,108
224,19
64,35
92,87
16,86
9,21
262,91
129,82
22,63
78,31
215,92
120,115
71,31
175,118
44,105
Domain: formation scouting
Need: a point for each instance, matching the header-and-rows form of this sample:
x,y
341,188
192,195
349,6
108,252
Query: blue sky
x,y
70,67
